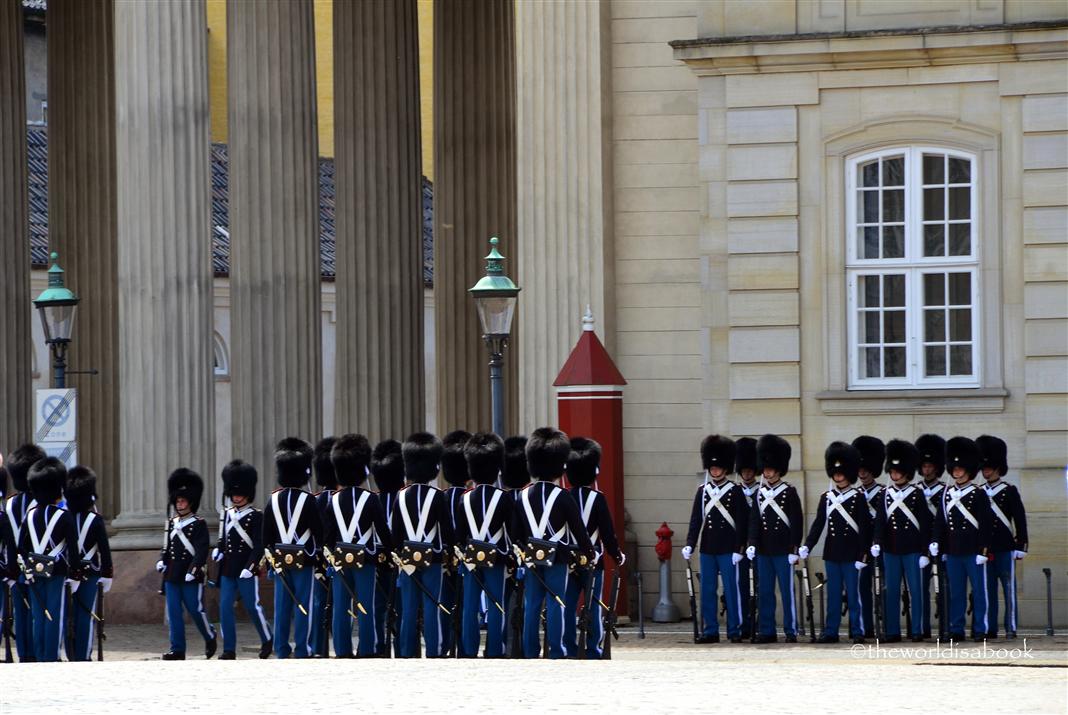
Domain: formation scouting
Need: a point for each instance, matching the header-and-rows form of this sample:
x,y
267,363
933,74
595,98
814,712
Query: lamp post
x,y
57,305
495,298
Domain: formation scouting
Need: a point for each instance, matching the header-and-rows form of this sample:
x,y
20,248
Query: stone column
x,y
81,218
379,219
276,343
474,197
166,386
16,423
563,160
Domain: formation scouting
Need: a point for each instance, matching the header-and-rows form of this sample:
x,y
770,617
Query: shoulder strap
x,y
538,526
83,534
348,530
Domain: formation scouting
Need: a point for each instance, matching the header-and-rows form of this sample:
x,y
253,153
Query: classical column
x,y
474,196
276,343
81,218
166,386
565,187
379,219
16,424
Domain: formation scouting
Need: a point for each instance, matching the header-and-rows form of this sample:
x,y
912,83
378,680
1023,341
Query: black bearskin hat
x,y
902,456
239,479
932,449
484,453
547,453
995,453
422,457
3,482
19,463
293,462
842,458
515,475
963,452
325,477
872,453
351,457
453,462
81,489
387,466
583,462
185,483
718,451
47,479
773,451
745,454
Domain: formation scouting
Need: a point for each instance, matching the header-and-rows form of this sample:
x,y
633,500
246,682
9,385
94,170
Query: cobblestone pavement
x,y
664,673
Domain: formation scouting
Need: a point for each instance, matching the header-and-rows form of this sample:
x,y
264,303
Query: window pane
x,y
960,324
894,205
894,362
894,326
934,289
960,289
869,174
868,207
934,360
894,290
960,359
893,241
894,171
934,240
934,326
869,291
960,239
869,365
868,242
934,208
869,327
933,169
960,171
960,203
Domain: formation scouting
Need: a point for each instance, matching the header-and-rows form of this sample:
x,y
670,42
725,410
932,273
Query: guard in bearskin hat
x,y
962,534
932,449
454,471
96,567
320,616
387,470
15,508
1008,539
720,520
239,551
775,532
745,464
872,455
182,563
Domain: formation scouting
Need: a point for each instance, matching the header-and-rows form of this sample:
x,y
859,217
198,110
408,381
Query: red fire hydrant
x,y
665,610
663,543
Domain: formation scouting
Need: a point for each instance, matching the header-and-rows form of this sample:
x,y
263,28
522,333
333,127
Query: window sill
x,y
982,400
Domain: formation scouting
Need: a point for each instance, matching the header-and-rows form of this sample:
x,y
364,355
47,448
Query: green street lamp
x,y
495,298
57,305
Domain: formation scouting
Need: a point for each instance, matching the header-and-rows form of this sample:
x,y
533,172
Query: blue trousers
x,y
433,619
84,625
248,590
959,570
318,627
493,579
713,568
769,570
47,633
1001,568
867,596
190,596
898,566
286,612
452,588
362,582
595,630
744,567
535,596
843,574
23,616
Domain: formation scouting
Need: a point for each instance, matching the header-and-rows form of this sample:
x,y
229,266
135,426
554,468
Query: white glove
x,y
859,565
73,584
216,555
792,558
621,560
924,562
105,583
876,550
160,566
735,558
245,573
9,582
980,559
687,552
750,552
189,577
1019,555
933,548
803,552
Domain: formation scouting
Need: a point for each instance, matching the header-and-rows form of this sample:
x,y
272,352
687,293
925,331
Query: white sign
x,y
55,415
67,452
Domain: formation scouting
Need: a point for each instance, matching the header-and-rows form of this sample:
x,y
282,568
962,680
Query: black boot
x,y
210,646
173,655
765,639
736,639
827,638
892,639
714,638
1010,635
918,638
859,640
228,655
791,639
266,649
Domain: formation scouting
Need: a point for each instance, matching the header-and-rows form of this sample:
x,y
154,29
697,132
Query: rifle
x,y
515,646
277,567
906,611
693,603
327,616
100,635
752,600
877,584
1049,600
69,622
166,545
723,605
808,600
641,608
584,619
9,604
610,616
391,611
344,582
821,584
457,610
936,576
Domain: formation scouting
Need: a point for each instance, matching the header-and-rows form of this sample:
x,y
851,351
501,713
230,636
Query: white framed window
x,y
912,268
220,358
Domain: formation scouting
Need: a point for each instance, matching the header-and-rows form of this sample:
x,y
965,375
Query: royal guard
x,y
182,563
239,552
932,450
775,531
16,507
387,470
95,550
514,479
962,534
326,481
454,471
720,520
902,529
872,455
1008,540
843,512
745,466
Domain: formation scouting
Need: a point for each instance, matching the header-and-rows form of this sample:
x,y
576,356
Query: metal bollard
x,y
1049,601
665,610
641,609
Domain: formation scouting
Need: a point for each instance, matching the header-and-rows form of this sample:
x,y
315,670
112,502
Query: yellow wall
x,y
324,74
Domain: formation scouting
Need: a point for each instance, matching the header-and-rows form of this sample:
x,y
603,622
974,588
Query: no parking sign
x,y
55,424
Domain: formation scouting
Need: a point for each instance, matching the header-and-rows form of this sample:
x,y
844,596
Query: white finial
x,y
587,319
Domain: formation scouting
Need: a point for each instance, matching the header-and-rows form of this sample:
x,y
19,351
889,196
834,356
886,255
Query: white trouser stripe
x,y
259,608
92,630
